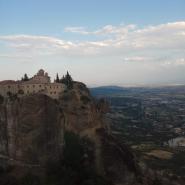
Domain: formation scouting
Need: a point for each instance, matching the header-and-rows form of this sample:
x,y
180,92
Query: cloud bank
x,y
121,39
157,49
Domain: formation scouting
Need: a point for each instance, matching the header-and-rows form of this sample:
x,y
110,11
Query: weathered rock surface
x,y
82,114
30,130
119,162
32,133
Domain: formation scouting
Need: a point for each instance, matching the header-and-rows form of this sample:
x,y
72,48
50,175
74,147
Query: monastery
x,y
39,83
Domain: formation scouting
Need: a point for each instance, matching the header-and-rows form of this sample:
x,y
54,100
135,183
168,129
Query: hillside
x,y
104,91
107,90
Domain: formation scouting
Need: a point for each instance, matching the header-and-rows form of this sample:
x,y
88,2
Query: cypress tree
x,y
57,78
67,80
25,78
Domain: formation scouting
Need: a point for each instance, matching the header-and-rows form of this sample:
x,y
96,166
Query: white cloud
x,y
164,39
176,62
80,30
32,40
136,59
106,30
15,57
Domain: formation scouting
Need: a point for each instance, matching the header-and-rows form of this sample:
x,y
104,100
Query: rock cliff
x,y
32,130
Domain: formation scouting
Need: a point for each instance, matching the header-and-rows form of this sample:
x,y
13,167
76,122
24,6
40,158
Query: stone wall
x,y
52,90
39,83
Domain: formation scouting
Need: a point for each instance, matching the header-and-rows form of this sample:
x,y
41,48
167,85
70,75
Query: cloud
x,y
106,30
136,59
126,41
175,63
80,30
5,56
24,41
36,45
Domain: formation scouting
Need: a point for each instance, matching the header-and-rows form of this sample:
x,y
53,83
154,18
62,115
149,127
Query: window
x,y
33,86
28,92
27,86
8,87
50,92
40,85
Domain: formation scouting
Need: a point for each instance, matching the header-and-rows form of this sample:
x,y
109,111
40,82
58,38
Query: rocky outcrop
x,y
86,117
32,133
32,127
82,113
119,163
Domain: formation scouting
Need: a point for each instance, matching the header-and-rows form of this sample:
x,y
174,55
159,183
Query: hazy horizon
x,y
123,43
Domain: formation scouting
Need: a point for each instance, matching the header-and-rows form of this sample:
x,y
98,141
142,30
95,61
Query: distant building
x,y
39,83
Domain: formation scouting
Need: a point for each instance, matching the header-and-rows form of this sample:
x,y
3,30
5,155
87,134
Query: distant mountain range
x,y
117,90
107,90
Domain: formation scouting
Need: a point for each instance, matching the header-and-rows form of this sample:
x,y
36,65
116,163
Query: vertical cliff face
x,y
32,127
3,131
86,117
82,114
31,130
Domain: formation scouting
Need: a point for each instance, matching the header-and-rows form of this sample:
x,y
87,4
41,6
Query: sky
x,y
100,42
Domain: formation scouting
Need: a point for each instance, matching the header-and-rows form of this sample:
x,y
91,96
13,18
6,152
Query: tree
x,y
67,80
57,79
68,77
63,80
25,78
